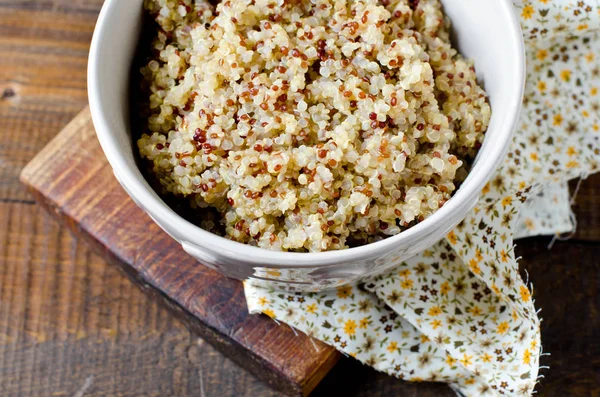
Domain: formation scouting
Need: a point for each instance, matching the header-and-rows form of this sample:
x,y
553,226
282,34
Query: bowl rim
x,y
138,188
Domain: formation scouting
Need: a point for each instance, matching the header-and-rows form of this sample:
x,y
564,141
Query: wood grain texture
x,y
72,325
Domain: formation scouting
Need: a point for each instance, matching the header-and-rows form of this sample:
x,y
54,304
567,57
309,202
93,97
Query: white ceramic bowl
x,y
485,30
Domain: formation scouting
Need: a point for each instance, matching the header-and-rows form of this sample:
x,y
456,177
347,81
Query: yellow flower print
x,y
392,347
544,1
405,273
263,301
406,283
362,324
526,357
583,26
476,311
470,381
424,338
269,313
273,273
486,188
478,255
596,127
503,256
506,201
312,308
572,164
451,237
486,358
527,12
533,344
495,288
474,266
590,57
450,360
350,327
344,292
466,360
541,54
558,119
534,156
435,324
565,75
571,151
541,86
529,224
435,311
594,91
525,294
502,327
522,185
445,288
585,113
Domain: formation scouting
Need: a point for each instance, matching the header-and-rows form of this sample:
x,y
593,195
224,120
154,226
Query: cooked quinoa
x,y
310,125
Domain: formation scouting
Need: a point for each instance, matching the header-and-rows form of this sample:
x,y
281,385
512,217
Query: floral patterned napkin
x,y
459,312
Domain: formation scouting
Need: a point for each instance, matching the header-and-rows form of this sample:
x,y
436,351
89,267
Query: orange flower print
x,y
525,294
583,26
344,292
503,256
350,327
502,328
565,75
527,12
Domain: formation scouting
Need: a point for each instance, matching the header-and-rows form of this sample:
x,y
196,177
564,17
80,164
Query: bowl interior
x,y
487,32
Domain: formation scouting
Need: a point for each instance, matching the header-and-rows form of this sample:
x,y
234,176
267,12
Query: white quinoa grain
x,y
305,125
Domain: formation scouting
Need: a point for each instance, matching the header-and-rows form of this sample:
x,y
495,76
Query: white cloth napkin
x,y
459,312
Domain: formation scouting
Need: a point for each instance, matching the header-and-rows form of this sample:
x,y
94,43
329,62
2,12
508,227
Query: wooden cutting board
x,y
72,179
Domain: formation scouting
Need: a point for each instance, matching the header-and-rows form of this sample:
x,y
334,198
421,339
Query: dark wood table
x,y
71,325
